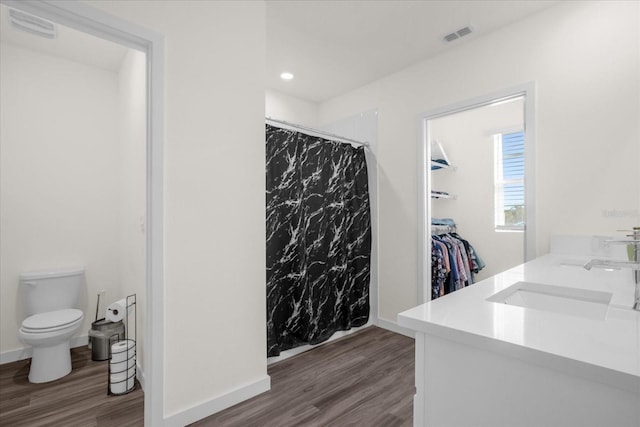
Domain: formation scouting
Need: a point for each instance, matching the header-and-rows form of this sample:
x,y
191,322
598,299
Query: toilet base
x,y
50,363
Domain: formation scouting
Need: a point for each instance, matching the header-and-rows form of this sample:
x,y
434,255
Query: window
x,y
509,181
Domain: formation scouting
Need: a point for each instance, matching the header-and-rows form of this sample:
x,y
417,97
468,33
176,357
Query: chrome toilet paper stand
x,y
130,352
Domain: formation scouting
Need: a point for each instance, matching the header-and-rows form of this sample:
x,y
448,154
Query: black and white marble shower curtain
x,y
318,239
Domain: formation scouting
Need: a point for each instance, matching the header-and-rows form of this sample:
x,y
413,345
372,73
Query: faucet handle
x,y
635,233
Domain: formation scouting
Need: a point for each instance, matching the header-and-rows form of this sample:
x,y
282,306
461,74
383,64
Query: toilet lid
x,y
51,319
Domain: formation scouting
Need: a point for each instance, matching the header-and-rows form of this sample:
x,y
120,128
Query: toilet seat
x,y
51,321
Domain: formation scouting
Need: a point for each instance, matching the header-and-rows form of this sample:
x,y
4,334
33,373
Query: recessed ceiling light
x,y
286,76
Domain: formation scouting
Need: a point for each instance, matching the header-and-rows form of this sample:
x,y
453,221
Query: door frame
x,y
526,90
93,21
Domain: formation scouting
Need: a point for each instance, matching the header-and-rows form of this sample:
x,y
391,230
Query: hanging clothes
x,y
453,261
439,269
318,238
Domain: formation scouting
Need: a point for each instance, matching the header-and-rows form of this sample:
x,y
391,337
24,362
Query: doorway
x,y
92,21
476,170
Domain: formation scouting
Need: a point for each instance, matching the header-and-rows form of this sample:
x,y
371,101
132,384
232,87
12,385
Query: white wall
x,y
281,106
59,179
214,266
467,139
584,58
132,121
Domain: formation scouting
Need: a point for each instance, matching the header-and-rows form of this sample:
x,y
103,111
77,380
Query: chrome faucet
x,y
633,248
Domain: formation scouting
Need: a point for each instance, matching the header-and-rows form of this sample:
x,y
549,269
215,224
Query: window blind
x,y
513,169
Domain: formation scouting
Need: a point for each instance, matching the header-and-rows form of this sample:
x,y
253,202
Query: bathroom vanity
x,y
546,343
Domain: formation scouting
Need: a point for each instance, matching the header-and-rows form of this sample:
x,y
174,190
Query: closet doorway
x,y
477,172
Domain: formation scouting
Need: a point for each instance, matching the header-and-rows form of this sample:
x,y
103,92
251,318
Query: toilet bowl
x,y
49,334
51,319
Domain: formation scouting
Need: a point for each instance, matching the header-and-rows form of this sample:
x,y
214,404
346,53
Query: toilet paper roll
x,y
121,386
122,366
116,311
121,376
117,388
123,350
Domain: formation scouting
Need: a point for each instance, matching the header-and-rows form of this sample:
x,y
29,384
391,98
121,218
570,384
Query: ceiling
x,y
333,47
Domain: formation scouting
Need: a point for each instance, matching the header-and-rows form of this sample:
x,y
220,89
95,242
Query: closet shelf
x,y
439,161
442,195
438,153
437,166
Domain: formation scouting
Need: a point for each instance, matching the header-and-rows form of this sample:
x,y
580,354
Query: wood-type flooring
x,y
364,379
78,400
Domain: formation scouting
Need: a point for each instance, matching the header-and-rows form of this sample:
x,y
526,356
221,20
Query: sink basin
x,y
557,299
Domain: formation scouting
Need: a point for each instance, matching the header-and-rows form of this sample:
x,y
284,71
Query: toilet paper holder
x,y
122,355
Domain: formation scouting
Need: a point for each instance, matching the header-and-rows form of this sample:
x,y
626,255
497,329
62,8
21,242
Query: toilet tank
x,y
51,290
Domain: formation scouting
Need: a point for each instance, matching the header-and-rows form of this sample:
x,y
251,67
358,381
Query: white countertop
x,y
607,349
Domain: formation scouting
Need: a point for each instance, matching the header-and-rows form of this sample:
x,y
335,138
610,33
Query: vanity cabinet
x,y
483,362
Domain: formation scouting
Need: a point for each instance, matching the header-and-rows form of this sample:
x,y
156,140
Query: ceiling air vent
x,y
32,24
457,34
451,37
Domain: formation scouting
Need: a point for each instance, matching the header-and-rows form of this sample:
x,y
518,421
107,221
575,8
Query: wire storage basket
x,y
122,355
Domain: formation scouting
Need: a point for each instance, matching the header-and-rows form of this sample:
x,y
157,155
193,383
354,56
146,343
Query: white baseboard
x,y
394,327
219,403
15,355
26,352
140,375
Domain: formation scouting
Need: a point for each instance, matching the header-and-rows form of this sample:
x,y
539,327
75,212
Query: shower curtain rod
x,y
319,132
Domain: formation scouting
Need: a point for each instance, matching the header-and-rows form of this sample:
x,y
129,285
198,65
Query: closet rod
x,y
316,131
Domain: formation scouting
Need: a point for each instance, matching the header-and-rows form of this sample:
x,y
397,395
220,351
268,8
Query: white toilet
x,y
51,320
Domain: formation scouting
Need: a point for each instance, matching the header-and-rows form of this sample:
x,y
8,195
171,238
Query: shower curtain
x,y
318,238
